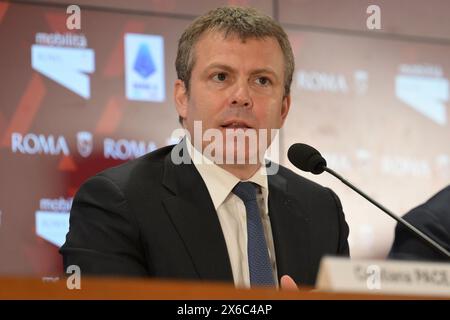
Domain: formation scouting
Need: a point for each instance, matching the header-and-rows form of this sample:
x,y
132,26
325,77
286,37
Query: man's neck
x,y
241,171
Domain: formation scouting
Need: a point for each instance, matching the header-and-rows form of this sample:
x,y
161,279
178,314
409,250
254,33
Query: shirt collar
x,y
220,182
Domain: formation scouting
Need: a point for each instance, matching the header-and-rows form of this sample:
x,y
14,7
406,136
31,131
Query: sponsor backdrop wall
x,y
74,102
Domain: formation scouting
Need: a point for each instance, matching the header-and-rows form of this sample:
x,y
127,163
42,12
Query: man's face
x,y
234,84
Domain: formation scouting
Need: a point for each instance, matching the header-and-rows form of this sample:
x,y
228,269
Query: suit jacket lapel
x,y
192,212
290,228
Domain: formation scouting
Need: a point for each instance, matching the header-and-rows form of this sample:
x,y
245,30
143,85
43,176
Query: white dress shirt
x,y
232,213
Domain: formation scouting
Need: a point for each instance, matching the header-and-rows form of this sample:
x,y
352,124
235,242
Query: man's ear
x,y
181,98
285,106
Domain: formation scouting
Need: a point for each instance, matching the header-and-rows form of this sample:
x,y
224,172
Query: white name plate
x,y
384,277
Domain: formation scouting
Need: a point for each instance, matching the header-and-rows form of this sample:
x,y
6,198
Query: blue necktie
x,y
261,272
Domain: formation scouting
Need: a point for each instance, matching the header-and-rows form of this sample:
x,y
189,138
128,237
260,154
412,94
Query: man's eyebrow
x,y
219,66
230,69
265,70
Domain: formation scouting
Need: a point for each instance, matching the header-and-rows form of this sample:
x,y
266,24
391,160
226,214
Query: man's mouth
x,y
235,125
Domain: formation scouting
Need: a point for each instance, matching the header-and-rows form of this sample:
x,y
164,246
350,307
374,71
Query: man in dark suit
x,y
205,217
432,218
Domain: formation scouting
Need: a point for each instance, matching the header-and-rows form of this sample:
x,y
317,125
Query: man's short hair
x,y
246,23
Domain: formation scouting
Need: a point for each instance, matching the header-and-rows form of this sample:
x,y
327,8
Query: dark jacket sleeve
x,y
406,246
103,237
343,248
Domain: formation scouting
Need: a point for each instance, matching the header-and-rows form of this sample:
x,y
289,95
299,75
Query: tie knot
x,y
245,190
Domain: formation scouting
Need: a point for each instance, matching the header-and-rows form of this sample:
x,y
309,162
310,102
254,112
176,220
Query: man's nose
x,y
241,95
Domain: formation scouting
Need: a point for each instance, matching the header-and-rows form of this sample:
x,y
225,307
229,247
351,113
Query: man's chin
x,y
235,156
232,145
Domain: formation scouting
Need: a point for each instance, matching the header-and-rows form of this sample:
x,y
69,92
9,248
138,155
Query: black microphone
x,y
308,159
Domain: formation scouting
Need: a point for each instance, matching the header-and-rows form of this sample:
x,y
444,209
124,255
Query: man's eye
x,y
264,81
220,77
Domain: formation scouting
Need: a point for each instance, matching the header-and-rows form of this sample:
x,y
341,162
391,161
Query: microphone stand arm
x,y
436,246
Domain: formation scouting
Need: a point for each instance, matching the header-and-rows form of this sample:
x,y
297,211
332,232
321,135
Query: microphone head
x,y
306,158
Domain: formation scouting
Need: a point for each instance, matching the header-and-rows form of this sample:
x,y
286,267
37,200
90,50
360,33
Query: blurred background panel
x,y
409,18
171,7
74,102
378,110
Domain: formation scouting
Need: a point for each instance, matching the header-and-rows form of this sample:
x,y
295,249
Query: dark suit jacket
x,y
150,217
433,219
